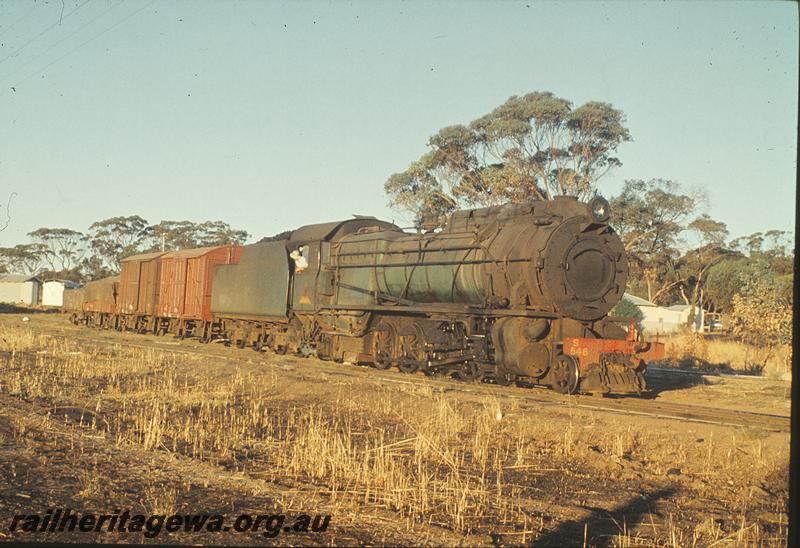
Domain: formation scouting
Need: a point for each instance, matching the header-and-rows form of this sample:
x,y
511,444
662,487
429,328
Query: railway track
x,y
309,369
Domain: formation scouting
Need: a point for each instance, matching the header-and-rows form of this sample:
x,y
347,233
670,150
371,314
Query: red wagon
x,y
139,291
185,283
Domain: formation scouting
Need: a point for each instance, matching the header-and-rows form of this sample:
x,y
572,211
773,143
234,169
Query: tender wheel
x,y
384,345
564,375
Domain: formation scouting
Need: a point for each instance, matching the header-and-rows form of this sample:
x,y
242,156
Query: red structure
x,y
139,284
186,278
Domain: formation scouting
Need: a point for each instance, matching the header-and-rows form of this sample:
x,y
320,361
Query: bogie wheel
x,y
564,375
384,345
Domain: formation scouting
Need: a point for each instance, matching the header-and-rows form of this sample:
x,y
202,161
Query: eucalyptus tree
x,y
534,146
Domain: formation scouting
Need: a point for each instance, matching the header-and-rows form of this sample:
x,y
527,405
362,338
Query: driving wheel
x,y
564,375
384,345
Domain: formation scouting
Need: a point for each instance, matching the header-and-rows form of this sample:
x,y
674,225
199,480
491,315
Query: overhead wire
x,y
18,21
26,44
10,76
79,46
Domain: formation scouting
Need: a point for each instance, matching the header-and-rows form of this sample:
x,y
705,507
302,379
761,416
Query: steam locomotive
x,y
514,293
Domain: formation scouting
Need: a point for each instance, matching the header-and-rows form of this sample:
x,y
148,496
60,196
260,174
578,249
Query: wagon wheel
x,y
205,337
279,349
384,345
413,355
564,375
205,334
469,371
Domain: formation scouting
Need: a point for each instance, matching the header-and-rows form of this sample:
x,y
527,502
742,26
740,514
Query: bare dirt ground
x,y
121,421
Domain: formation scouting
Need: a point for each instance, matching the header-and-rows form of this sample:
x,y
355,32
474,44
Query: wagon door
x,y
195,287
130,287
148,287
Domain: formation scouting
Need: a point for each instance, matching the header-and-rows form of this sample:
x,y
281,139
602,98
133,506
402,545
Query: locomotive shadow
x,y
601,526
663,381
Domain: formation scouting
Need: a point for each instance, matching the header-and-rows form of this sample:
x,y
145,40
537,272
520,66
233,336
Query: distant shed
x,y
53,291
18,288
664,319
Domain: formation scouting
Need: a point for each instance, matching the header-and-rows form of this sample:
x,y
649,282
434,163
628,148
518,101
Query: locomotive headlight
x,y
600,209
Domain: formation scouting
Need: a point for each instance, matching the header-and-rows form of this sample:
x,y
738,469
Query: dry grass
x,y
491,468
706,534
694,350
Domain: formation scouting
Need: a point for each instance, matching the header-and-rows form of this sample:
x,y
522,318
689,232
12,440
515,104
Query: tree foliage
x,y
772,246
172,235
62,248
726,279
651,217
762,310
23,258
747,276
626,309
113,239
534,146
68,254
692,269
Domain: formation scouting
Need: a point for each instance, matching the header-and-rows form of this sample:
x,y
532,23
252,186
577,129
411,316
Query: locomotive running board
x,y
434,309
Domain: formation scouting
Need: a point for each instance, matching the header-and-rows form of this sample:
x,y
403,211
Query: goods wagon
x,y
139,289
73,299
185,286
95,304
101,295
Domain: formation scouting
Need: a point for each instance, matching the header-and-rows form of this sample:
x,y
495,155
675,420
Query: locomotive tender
x,y
514,293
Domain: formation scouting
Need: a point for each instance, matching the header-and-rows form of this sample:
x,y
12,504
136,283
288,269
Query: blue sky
x,y
271,115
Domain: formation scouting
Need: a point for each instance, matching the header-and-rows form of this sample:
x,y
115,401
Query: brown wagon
x,y
73,299
139,283
95,304
139,291
185,284
101,295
